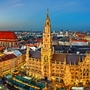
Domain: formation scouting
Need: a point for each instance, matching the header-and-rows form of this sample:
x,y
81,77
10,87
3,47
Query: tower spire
x,y
47,26
47,13
46,50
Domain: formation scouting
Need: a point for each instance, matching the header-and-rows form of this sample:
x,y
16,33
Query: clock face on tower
x,y
45,58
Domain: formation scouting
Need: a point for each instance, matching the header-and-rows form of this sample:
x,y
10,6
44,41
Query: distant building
x,y
8,38
79,35
61,32
87,38
11,61
79,42
67,33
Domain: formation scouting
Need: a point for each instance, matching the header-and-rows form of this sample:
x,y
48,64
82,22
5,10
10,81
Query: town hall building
x,y
72,68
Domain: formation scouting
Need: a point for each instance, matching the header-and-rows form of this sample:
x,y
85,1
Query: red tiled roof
x,y
2,48
4,35
31,45
7,57
80,40
39,39
80,34
36,44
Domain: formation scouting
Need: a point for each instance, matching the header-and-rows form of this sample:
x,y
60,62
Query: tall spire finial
x,y
47,10
47,13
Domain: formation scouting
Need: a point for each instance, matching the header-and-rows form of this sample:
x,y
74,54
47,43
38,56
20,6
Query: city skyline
x,y
30,15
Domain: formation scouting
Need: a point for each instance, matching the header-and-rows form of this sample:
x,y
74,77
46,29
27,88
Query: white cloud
x,y
16,3
9,4
71,6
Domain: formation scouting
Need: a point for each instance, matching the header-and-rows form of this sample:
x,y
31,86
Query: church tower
x,y
46,50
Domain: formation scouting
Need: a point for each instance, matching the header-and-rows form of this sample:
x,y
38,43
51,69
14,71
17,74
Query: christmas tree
x,y
67,76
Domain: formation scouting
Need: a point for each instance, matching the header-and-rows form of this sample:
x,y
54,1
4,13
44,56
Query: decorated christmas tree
x,y
67,76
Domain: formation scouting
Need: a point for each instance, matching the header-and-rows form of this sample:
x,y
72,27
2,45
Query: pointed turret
x,y
47,38
47,23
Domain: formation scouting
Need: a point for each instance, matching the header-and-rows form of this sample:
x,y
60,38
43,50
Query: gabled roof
x,y
7,35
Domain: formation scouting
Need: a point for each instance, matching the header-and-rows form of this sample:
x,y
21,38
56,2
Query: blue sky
x,y
31,14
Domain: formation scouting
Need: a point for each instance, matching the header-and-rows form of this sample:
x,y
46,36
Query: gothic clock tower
x,y
46,50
